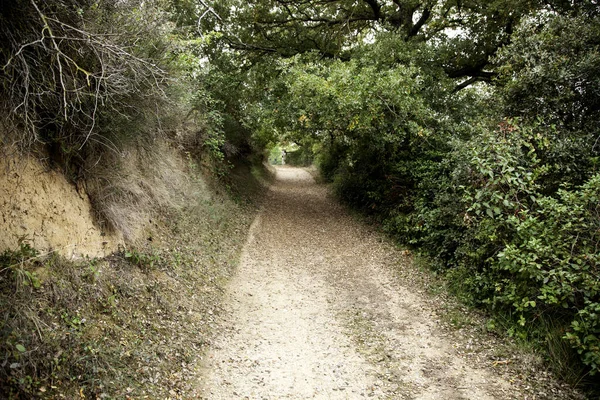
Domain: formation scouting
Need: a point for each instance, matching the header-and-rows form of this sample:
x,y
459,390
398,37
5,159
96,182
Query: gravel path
x,y
315,311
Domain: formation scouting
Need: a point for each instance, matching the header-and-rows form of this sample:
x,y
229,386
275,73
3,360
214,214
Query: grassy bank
x,y
134,324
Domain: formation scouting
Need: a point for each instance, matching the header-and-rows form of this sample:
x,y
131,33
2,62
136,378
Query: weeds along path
x,y
315,311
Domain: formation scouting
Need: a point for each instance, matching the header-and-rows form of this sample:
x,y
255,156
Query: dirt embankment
x,y
41,207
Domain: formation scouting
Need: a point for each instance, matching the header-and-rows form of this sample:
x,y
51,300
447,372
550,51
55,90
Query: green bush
x,y
552,266
481,214
507,246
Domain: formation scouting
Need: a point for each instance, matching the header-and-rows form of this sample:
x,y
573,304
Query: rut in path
x,y
315,312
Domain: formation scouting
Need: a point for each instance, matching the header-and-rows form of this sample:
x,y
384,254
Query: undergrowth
x,y
132,325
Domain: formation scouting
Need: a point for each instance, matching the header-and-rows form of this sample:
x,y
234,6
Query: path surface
x,y
315,311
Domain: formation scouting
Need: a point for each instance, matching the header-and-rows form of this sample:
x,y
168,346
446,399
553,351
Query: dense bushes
x,y
104,92
508,246
483,216
511,213
553,257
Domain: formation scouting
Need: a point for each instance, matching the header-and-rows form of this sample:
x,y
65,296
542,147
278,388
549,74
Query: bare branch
x,y
52,67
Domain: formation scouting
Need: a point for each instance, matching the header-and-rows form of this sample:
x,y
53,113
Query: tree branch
x,y
417,27
376,7
482,77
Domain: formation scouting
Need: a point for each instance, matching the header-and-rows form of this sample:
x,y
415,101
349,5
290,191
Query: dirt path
x,y
316,311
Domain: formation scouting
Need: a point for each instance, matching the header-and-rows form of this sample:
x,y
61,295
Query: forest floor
x,y
325,307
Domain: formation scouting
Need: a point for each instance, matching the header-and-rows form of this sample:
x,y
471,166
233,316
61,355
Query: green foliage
x,y
16,263
495,185
554,254
551,72
9,258
505,244
145,261
551,69
275,155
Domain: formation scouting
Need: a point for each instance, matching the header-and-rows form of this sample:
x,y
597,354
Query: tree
x,y
467,34
471,173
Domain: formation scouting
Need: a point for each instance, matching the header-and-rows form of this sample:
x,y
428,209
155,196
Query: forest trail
x,y
316,311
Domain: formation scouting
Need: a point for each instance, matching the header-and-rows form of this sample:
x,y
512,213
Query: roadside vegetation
x,y
131,325
115,96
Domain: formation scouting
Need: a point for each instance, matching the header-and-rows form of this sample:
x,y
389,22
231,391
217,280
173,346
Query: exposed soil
x,y
39,206
319,309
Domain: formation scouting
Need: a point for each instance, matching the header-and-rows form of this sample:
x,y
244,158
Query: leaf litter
x,y
323,306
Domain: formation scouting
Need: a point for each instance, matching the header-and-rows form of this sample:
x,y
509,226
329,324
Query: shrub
x,y
71,67
551,266
302,157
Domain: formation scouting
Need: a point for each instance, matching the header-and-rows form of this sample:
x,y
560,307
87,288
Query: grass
x,y
132,325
